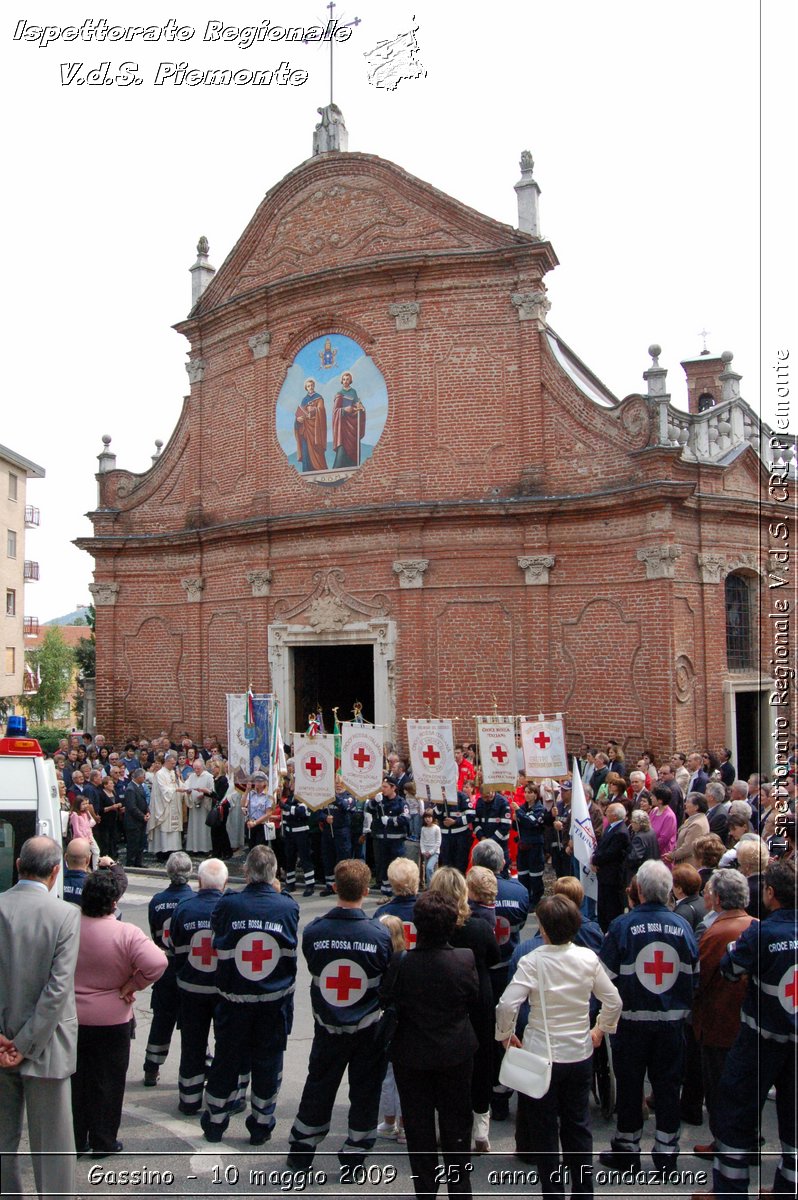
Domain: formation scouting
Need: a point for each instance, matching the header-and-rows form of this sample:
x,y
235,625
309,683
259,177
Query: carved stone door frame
x,y
378,632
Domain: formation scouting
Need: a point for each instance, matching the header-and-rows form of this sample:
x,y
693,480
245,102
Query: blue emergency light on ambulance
x,y
29,801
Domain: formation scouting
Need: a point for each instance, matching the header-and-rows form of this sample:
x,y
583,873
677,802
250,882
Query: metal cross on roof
x,y
333,25
704,333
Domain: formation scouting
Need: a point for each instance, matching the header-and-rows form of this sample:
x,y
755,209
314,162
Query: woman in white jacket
x,y
566,976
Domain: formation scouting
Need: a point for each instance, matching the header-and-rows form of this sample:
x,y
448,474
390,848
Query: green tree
x,y
54,661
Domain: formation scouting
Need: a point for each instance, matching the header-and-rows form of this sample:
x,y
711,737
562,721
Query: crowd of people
x,y
685,964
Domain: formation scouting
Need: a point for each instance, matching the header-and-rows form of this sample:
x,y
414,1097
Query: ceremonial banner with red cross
x,y
544,748
314,769
432,759
361,758
497,752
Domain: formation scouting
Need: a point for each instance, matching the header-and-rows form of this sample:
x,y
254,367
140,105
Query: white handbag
x,y
523,1070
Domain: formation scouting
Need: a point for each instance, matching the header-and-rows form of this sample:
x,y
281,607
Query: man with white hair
x,y
165,826
716,1011
651,955
191,948
609,859
165,997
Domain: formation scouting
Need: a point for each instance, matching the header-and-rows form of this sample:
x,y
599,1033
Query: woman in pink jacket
x,y
115,961
663,819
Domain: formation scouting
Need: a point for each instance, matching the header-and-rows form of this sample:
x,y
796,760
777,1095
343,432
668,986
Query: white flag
x,y
497,754
361,758
544,749
314,769
583,835
432,758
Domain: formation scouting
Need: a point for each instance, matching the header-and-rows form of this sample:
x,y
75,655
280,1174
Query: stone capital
x,y
712,567
104,593
660,560
532,306
195,369
259,344
411,571
406,313
536,567
193,585
260,582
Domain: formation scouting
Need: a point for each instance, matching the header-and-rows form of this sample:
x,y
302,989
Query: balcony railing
x,y
31,570
31,627
32,515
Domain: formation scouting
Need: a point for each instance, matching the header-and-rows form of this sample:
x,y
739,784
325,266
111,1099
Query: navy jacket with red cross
x,y
255,938
161,907
191,943
401,907
492,819
768,954
347,953
651,956
512,910
390,819
341,810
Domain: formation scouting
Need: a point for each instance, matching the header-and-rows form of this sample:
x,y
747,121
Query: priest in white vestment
x,y
165,826
199,793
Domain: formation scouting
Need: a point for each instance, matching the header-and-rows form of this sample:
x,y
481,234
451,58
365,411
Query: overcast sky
x,y
643,121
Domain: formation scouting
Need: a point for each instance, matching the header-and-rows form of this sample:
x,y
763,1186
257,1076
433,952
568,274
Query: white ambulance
x,y
29,803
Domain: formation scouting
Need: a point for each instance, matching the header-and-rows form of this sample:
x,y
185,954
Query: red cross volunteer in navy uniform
x,y
651,955
255,939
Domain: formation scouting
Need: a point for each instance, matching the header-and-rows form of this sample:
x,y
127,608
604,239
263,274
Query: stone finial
x,y
260,582
104,594
527,193
406,313
532,306
331,132
729,379
193,586
158,449
202,272
536,568
711,566
106,458
656,375
259,344
411,571
195,368
660,560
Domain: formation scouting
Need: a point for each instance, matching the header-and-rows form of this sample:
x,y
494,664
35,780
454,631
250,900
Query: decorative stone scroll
x,y
194,585
712,567
406,314
411,572
259,344
660,560
532,306
104,593
260,581
536,568
195,369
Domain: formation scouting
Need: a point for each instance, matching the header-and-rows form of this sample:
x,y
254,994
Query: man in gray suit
x,y
39,936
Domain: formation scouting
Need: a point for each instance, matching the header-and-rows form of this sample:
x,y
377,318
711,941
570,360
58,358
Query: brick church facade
x,y
499,529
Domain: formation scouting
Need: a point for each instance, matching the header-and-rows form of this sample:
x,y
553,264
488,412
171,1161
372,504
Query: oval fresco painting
x,y
331,409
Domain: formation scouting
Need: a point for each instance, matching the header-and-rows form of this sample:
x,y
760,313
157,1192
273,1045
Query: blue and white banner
x,y
583,836
246,753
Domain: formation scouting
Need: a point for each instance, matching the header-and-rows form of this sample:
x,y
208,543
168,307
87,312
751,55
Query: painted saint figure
x,y
327,356
349,425
310,429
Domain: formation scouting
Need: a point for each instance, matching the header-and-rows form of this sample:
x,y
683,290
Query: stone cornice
x,y
649,494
